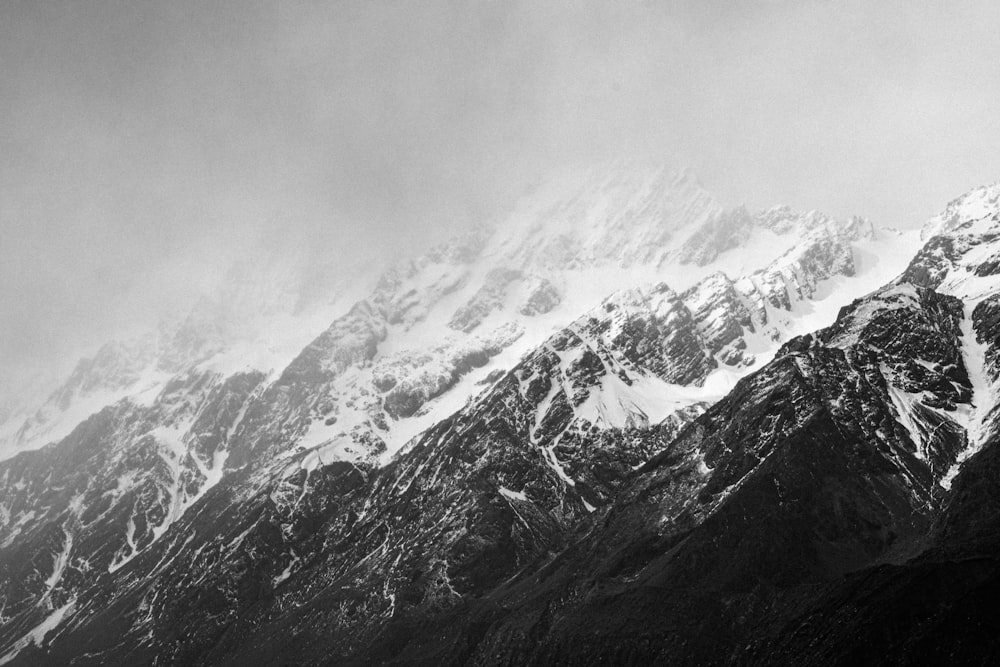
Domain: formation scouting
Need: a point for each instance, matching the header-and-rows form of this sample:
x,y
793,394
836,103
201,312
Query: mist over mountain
x,y
499,333
146,148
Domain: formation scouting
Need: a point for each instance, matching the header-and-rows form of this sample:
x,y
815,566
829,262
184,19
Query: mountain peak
x,y
976,204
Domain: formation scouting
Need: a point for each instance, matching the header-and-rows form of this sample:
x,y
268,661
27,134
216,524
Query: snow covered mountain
x,y
416,348
460,425
254,320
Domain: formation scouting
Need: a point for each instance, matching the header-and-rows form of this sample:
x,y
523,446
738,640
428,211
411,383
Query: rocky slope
x,y
412,350
215,514
837,505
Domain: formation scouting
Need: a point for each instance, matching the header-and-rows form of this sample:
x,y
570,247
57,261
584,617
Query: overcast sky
x,y
143,145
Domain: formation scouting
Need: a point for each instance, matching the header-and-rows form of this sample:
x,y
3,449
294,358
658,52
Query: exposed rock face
x,y
530,513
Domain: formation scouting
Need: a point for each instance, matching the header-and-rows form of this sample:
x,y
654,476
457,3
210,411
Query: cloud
x,y
148,145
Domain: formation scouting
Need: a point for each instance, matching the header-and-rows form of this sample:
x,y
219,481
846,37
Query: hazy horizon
x,y
149,146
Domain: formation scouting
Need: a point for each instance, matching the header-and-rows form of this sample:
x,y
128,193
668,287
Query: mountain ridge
x,y
207,479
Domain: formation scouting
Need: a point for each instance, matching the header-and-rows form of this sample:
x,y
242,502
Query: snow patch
x,y
984,395
38,634
287,572
512,495
59,564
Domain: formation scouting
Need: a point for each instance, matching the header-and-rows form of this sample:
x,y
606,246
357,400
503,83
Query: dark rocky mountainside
x,y
605,496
